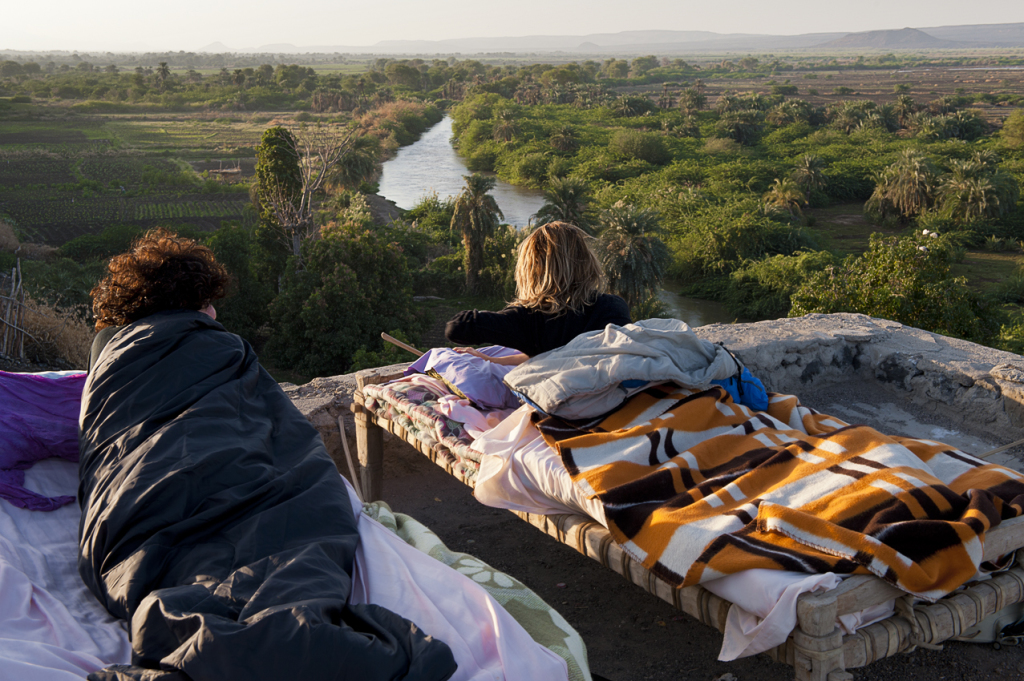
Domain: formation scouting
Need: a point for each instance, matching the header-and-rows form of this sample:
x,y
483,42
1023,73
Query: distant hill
x,y
905,38
628,43
990,35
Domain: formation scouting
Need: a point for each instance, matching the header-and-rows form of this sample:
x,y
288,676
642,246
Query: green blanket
x,y
540,620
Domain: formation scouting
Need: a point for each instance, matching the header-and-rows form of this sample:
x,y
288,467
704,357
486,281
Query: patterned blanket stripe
x,y
410,405
696,487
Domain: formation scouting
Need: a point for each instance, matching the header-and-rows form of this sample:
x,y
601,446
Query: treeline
x,y
729,184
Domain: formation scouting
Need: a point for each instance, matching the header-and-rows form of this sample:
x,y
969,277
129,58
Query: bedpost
x,y
370,450
369,441
817,641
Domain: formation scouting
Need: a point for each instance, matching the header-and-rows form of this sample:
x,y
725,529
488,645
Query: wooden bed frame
x,y
816,649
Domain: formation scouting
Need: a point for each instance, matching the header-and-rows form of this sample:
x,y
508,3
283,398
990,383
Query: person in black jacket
x,y
558,297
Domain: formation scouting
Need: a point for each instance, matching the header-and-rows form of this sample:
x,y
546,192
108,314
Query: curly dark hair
x,y
162,271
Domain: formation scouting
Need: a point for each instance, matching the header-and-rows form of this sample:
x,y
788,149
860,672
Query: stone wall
x,y
978,389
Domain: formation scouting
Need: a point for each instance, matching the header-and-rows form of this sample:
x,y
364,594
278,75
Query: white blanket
x,y
53,629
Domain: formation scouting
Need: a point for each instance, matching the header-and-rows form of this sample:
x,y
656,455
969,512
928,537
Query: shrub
x,y
714,240
761,289
641,146
59,336
905,279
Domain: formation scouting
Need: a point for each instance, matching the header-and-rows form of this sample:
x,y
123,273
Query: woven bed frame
x,y
817,650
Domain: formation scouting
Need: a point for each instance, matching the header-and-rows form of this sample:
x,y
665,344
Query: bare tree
x,y
316,151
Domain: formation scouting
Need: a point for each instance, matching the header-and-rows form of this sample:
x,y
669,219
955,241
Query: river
x,y
431,165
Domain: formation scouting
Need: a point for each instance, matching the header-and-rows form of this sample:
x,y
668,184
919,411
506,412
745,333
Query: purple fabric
x,y
39,421
479,380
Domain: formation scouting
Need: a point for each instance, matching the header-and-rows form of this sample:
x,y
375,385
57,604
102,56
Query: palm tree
x,y
563,139
809,173
506,129
976,189
904,108
359,163
565,200
163,72
785,194
632,255
905,188
476,217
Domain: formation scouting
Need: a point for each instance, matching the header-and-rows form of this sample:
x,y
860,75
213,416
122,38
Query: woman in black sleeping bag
x,y
213,520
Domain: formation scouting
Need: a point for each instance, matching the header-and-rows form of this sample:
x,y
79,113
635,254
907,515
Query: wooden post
x,y
370,450
817,641
370,436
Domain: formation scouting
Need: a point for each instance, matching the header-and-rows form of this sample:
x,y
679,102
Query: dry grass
x,y
9,243
8,240
57,335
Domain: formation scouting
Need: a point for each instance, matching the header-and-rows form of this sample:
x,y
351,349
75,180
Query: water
x,y
694,311
431,165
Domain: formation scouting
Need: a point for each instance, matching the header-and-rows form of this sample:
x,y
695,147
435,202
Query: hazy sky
x,y
192,24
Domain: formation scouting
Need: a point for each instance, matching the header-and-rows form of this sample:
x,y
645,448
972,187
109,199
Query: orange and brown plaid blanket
x,y
696,487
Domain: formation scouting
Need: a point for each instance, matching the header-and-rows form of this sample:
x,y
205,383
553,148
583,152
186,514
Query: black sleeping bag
x,y
214,521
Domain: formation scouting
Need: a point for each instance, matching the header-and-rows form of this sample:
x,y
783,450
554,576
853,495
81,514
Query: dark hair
x,y
162,271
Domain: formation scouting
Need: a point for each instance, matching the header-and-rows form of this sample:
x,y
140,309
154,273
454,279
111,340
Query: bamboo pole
x,y
19,314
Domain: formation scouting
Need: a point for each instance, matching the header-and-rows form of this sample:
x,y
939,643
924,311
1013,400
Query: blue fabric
x,y
746,389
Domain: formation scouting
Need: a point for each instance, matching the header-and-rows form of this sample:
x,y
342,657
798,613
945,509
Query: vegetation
x,y
720,174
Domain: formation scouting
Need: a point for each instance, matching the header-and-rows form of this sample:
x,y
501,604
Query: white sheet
x,y
520,471
53,629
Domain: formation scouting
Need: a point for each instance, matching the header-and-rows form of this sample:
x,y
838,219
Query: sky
x,y
119,25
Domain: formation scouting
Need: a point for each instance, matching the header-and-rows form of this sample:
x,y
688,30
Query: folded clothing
x,y
476,379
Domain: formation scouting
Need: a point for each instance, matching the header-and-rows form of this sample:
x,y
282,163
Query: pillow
x,y
478,380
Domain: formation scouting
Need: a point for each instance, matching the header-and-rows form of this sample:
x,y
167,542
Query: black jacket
x,y
531,331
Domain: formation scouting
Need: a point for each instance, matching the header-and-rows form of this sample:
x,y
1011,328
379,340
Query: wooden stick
x,y
404,346
357,484
1001,449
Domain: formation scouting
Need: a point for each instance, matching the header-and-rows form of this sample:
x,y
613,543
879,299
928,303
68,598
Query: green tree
x,y
244,310
359,165
506,128
904,108
278,179
642,146
163,72
476,216
353,285
565,200
632,255
1013,130
905,279
975,189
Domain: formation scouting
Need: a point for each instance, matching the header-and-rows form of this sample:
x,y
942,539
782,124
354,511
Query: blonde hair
x,y
556,271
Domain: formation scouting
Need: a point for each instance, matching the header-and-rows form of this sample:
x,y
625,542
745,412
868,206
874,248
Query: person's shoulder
x,y
612,301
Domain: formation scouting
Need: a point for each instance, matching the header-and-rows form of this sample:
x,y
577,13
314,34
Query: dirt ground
x,y
630,634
